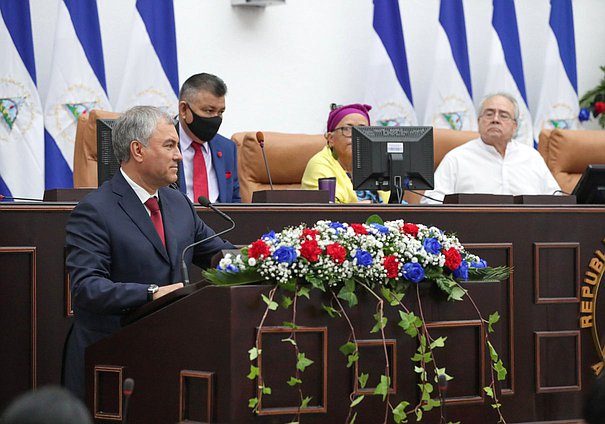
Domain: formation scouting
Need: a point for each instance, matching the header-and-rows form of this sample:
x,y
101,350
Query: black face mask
x,y
204,128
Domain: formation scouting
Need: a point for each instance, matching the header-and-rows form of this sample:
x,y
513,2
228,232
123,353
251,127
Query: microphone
x,y
442,384
127,389
260,137
27,199
206,203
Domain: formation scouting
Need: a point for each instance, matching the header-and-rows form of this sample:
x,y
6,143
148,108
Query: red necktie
x,y
156,217
200,176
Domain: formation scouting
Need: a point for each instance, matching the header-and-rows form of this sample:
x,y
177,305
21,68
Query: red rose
x,y
391,264
310,250
308,233
359,229
336,252
258,249
227,174
219,154
452,258
599,107
410,229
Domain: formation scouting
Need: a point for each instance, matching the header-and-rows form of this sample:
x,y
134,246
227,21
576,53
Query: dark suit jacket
x,y
224,160
114,253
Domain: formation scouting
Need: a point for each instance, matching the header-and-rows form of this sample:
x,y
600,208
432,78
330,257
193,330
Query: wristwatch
x,y
151,290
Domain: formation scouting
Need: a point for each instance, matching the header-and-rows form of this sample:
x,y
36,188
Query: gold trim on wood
x,y
539,246
187,374
107,369
480,398
32,250
323,408
548,334
392,343
511,300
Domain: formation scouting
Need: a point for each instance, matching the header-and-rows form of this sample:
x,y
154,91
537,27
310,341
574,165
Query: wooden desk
x,y
549,357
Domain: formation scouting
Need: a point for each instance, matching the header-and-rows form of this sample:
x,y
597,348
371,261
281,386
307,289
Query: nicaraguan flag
x,y
77,85
558,103
449,103
505,67
151,74
388,88
21,122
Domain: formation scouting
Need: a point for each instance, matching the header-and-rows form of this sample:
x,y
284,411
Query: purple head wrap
x,y
337,115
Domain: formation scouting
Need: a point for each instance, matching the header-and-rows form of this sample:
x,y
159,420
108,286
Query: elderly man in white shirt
x,y
493,163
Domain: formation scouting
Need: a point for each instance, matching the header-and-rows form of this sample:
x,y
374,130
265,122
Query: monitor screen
x,y
107,164
393,158
591,187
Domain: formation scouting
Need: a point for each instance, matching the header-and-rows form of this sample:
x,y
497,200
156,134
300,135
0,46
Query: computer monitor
x,y
393,158
107,164
591,187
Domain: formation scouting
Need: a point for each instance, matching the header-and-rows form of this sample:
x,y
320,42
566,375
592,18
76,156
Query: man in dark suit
x,y
209,166
124,240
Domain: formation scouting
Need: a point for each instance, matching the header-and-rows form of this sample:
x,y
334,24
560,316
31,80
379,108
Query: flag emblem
x,y
78,109
10,109
392,114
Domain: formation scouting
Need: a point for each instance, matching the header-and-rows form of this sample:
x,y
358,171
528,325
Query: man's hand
x,y
164,290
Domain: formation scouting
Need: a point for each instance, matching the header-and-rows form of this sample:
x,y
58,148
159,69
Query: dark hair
x,y
49,405
594,405
202,82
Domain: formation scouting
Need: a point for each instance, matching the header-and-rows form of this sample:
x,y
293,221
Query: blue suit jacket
x,y
224,160
114,253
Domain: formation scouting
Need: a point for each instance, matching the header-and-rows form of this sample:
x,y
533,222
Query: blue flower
x,y
462,272
363,258
270,236
285,254
337,226
584,115
481,264
432,245
380,228
413,272
230,268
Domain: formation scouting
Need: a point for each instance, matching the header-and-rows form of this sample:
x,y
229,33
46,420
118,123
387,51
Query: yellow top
x,y
324,165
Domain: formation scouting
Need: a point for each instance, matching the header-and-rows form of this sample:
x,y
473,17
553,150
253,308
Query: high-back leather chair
x,y
567,153
288,155
85,148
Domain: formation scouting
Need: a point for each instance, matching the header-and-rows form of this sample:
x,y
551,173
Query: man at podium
x,y
125,240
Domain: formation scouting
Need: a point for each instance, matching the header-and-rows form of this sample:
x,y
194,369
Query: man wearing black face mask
x,y
209,166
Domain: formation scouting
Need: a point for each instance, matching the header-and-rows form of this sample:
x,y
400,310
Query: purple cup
x,y
329,184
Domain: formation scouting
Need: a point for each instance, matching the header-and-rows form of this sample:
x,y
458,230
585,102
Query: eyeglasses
x,y
347,130
491,114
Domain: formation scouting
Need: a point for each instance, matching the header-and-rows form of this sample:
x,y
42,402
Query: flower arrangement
x,y
593,102
385,259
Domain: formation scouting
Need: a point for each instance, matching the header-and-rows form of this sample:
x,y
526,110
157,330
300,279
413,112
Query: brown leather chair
x,y
568,152
288,155
85,148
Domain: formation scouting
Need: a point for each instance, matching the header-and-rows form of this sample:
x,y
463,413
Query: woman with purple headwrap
x,y
336,158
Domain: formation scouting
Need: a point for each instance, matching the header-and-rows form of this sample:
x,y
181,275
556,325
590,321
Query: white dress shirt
x,y
188,152
476,167
140,191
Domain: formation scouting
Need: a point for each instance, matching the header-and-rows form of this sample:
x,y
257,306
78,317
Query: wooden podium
x,y
190,358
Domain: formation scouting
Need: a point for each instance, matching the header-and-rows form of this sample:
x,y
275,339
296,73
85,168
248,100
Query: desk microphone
x,y
127,390
27,199
260,137
206,203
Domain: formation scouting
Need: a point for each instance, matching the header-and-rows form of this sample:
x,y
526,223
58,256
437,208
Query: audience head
x,y
594,405
201,106
48,405
498,115
146,144
340,121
